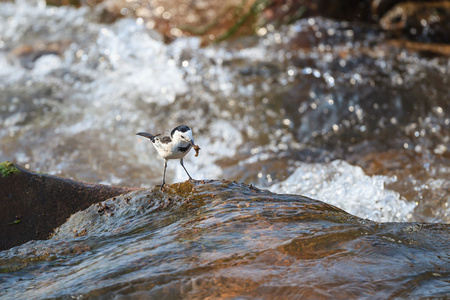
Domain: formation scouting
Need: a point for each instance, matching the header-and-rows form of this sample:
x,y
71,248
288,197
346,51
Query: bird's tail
x,y
146,135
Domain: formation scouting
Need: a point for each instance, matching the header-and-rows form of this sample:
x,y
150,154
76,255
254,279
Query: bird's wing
x,y
164,139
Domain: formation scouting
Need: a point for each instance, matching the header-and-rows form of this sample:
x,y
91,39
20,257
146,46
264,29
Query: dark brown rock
x,y
32,205
421,22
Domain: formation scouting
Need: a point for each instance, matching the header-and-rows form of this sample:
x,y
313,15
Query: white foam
x,y
46,64
137,62
349,188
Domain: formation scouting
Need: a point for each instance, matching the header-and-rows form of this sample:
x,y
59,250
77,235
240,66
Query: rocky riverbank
x,y
32,205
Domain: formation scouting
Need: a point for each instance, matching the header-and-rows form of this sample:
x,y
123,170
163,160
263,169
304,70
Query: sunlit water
x,y
320,108
219,239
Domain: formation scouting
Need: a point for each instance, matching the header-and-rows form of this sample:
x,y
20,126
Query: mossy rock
x,y
8,168
32,205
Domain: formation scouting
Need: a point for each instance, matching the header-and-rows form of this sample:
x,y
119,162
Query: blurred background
x,y
345,102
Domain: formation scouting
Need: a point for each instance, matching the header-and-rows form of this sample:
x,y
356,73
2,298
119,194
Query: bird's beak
x,y
189,141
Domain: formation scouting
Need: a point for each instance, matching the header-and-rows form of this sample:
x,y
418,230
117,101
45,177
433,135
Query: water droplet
x,y
393,121
159,10
255,151
316,73
176,32
261,31
440,149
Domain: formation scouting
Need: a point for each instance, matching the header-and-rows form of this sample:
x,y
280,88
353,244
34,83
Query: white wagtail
x,y
173,144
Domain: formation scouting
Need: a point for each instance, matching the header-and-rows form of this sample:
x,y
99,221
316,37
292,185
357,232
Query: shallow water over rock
x,y
223,239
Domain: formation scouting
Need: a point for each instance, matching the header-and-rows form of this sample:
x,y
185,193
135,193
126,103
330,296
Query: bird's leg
x,y
164,176
181,162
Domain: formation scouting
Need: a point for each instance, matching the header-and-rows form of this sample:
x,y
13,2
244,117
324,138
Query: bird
x,y
172,144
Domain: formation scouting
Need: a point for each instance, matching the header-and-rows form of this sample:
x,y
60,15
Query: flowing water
x,y
325,109
226,240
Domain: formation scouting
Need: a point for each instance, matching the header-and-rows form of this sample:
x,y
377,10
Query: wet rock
x,y
27,54
423,49
211,20
228,240
215,21
32,205
423,22
120,214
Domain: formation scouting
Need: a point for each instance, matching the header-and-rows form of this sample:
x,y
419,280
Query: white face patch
x,y
180,137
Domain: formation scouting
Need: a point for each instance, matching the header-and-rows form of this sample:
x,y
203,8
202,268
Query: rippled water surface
x,y
325,109
220,239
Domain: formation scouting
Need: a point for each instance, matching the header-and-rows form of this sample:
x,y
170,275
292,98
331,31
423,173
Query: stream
x,y
319,109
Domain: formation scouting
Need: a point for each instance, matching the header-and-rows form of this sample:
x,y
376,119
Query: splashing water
x,y
347,187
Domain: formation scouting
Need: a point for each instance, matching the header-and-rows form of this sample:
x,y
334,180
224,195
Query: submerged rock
x,y
122,213
32,205
222,239
426,22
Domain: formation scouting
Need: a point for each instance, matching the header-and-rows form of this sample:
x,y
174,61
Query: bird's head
x,y
182,133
